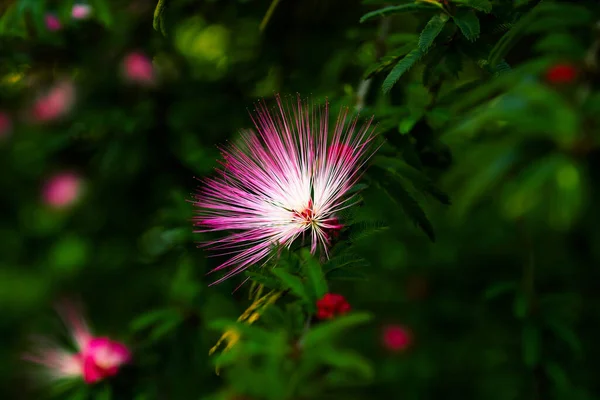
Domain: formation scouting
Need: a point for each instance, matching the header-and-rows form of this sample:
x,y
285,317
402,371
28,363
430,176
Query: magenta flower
x,y
62,190
5,124
287,180
138,68
52,23
397,338
95,359
55,103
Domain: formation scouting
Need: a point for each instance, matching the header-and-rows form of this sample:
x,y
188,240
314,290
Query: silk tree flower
x,y
138,68
288,179
62,190
95,358
5,124
55,103
52,22
397,338
81,11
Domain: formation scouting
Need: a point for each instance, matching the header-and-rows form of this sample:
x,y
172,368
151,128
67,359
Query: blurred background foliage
x,y
477,230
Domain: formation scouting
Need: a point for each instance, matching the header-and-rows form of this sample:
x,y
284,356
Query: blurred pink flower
x,y
52,23
81,11
5,124
54,104
95,359
62,190
396,337
138,68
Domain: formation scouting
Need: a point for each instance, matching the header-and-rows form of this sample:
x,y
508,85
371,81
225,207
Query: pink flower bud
x,y
138,68
62,190
81,11
57,102
52,23
5,124
396,338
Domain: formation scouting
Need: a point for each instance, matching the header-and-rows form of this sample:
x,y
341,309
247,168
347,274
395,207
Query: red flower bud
x,y
397,338
561,73
332,305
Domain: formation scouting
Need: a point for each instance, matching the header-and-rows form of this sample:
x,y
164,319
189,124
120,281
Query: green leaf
x,y
104,394
403,65
102,10
468,23
152,317
314,273
564,332
158,23
293,283
520,306
329,330
531,345
347,360
409,205
267,281
417,178
396,10
557,374
498,289
431,31
69,254
479,5
386,62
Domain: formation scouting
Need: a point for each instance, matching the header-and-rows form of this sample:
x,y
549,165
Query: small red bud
x,y
332,305
561,73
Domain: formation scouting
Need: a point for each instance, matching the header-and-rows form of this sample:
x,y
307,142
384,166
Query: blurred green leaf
x,y
347,360
69,254
498,289
293,283
315,278
565,333
329,330
531,345
103,11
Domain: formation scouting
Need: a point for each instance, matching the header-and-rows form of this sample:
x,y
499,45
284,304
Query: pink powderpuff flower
x,y
95,359
62,190
5,124
288,179
396,338
52,23
138,68
81,11
57,102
